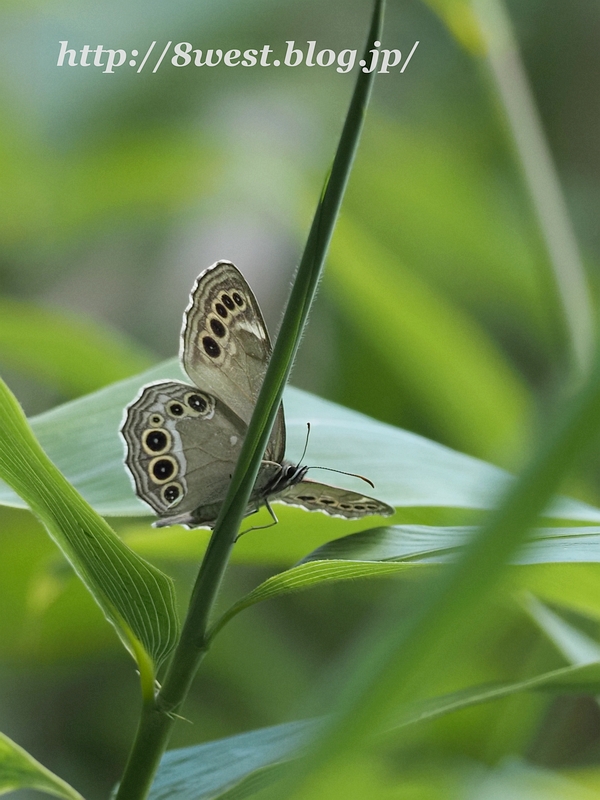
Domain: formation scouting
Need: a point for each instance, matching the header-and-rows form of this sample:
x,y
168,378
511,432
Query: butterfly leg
x,y
261,527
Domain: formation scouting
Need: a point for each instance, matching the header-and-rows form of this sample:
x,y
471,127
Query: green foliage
x,y
18,770
442,315
383,552
407,470
102,356
135,597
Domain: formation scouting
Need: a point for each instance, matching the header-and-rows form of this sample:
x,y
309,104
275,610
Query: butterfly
x,y
183,441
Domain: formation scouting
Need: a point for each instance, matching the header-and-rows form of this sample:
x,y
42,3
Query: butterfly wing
x,y
225,345
182,446
314,496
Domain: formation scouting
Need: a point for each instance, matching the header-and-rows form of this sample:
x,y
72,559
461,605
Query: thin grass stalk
x,y
158,716
568,278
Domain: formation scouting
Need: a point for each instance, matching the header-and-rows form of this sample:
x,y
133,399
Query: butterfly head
x,y
288,475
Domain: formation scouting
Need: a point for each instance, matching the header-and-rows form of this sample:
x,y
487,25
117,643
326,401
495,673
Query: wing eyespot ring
x,y
156,441
175,409
156,420
172,494
199,404
217,327
210,347
162,469
239,300
227,301
221,310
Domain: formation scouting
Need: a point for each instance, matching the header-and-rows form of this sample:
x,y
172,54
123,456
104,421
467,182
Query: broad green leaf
x,y
209,771
19,770
425,544
392,550
72,354
136,598
228,768
82,439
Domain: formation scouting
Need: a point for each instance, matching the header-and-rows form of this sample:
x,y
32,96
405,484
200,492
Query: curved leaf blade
x,y
19,770
391,550
429,544
81,437
576,679
209,771
135,597
229,768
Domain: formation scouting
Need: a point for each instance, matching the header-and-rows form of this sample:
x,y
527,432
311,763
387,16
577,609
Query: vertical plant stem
x,y
568,275
157,718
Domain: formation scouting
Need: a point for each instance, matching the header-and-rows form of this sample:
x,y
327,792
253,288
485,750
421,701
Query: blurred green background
x,y
435,315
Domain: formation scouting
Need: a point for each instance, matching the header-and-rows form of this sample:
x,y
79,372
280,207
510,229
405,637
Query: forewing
x,y
332,500
225,344
182,445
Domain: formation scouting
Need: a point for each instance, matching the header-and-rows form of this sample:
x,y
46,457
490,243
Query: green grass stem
x,y
157,718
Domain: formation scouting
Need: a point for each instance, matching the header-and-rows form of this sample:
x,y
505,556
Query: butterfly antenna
x,y
330,469
351,474
305,443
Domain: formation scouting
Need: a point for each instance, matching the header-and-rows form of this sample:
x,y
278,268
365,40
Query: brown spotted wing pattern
x,y
183,441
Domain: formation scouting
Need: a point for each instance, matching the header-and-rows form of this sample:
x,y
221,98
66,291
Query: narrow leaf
x,y
392,550
428,544
576,679
576,646
19,770
136,598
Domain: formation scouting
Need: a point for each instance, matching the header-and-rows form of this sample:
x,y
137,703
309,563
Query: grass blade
x,y
135,597
19,770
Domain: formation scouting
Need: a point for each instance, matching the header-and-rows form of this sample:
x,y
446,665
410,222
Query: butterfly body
x,y
183,441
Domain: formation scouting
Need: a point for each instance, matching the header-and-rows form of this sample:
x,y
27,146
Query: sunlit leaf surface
x,y
135,596
392,550
82,438
19,770
231,767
